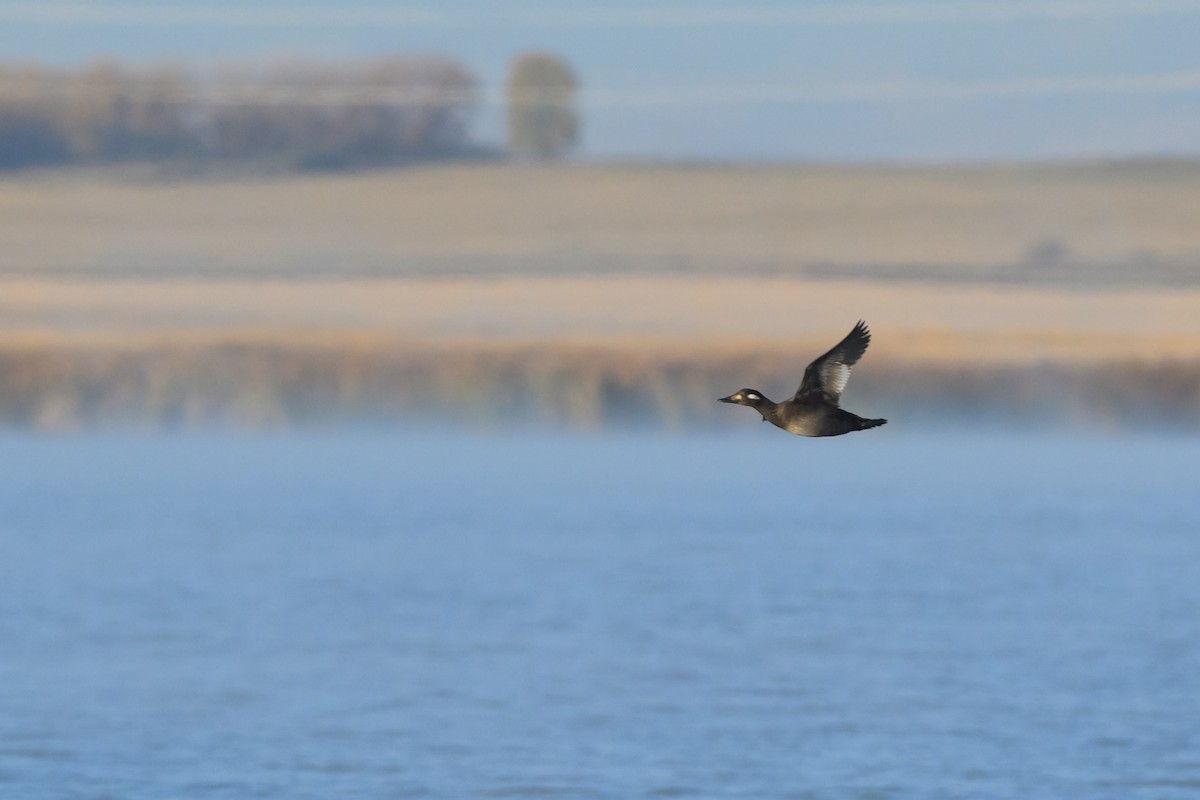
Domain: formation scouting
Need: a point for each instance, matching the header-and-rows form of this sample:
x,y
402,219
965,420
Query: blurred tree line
x,y
300,113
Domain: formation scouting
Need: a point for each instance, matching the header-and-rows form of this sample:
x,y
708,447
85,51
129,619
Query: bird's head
x,y
746,397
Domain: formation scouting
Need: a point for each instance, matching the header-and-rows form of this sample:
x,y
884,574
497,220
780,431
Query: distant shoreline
x,y
589,295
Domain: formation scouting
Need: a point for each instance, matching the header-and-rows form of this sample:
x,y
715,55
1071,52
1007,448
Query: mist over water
x,y
415,614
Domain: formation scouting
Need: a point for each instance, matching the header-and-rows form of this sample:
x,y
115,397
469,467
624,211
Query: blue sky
x,y
843,80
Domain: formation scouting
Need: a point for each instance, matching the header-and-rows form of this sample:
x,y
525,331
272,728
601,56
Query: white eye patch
x,y
751,396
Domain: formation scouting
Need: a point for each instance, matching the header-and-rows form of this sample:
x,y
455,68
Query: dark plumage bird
x,y
813,410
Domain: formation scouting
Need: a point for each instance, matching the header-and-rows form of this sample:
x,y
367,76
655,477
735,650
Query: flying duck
x,y
813,410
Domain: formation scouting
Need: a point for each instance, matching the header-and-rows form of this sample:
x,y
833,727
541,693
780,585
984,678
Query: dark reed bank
x,y
255,383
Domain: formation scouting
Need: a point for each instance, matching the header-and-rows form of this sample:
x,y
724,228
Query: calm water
x,y
753,615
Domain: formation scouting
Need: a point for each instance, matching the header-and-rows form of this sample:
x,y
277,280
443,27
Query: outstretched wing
x,y
827,376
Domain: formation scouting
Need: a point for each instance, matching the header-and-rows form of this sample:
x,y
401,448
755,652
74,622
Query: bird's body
x,y
815,418
813,410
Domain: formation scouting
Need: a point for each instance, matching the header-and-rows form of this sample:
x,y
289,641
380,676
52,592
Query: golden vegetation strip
x,y
912,321
264,382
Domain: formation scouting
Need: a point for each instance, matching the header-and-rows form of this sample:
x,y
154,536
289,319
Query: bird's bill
x,y
733,398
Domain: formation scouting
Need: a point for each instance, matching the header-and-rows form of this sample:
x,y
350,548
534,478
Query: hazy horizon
x,y
892,81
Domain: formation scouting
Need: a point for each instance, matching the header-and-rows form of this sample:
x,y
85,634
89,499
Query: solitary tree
x,y
542,120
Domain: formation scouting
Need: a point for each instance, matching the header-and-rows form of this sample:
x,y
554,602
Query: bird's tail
x,y
871,423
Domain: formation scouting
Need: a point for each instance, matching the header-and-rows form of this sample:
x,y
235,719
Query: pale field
x,y
628,257
504,218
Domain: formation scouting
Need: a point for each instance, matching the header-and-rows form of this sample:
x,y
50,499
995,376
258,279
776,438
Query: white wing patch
x,y
834,376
